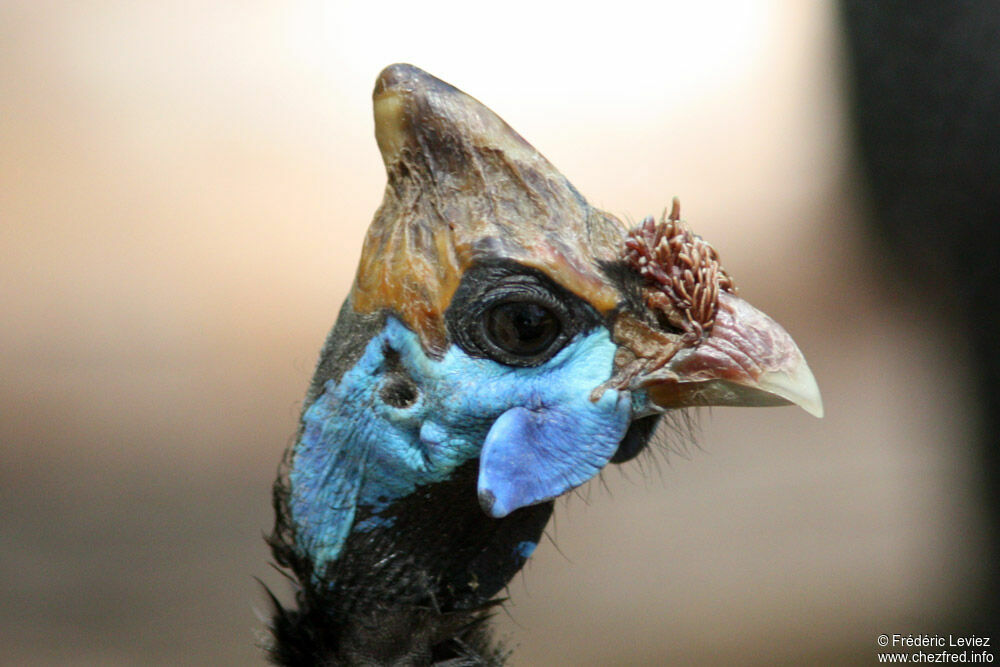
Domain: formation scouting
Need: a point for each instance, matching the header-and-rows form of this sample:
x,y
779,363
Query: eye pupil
x,y
522,327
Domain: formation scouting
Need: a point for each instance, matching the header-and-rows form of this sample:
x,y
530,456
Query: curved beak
x,y
747,360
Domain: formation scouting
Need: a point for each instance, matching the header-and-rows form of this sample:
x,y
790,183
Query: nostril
x,y
399,392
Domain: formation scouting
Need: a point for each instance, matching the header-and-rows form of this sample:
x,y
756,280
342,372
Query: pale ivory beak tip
x,y
796,385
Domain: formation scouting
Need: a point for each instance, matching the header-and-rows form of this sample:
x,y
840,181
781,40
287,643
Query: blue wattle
x,y
532,455
542,433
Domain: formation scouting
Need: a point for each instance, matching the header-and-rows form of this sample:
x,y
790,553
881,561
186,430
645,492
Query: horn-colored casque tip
x,y
419,112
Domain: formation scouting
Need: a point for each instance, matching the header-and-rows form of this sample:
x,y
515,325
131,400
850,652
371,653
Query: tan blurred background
x,y
184,188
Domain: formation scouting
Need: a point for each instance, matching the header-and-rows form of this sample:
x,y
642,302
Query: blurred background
x,y
184,190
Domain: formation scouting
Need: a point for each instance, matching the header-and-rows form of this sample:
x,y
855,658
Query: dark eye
x,y
522,328
514,315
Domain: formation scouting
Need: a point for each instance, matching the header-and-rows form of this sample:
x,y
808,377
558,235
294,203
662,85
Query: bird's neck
x,y
436,546
416,586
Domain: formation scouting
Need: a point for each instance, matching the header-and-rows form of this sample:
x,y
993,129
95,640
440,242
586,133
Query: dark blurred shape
x,y
924,79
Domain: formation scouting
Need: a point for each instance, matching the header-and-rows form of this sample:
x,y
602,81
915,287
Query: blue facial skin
x,y
536,430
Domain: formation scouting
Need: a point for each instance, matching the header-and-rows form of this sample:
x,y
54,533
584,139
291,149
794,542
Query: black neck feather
x,y
414,591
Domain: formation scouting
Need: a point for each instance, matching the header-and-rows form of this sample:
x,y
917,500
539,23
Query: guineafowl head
x,y
503,342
